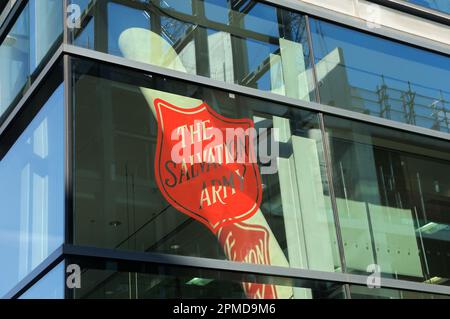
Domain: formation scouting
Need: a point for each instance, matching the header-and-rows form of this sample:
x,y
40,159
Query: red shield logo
x,y
248,243
206,164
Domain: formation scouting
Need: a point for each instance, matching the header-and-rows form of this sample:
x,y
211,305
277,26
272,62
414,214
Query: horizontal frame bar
x,y
423,12
255,93
360,24
68,251
322,13
231,266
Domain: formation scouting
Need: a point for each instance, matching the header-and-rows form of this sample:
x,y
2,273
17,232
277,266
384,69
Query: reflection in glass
x,y
51,286
31,37
371,75
104,279
393,195
118,204
253,44
32,194
119,280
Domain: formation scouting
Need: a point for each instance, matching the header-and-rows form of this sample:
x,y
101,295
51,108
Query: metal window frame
x,y
66,51
316,12
65,252
100,57
265,270
361,25
344,278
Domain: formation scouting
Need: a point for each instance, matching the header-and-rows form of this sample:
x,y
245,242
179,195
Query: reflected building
x,y
360,120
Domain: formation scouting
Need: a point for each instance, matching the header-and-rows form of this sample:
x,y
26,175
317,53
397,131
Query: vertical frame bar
x,y
68,293
201,40
65,25
68,169
312,59
101,26
337,224
327,156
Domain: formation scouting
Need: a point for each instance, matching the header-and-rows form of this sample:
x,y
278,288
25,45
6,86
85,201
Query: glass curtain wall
x,y
267,47
108,279
387,189
32,194
117,200
390,187
35,32
378,77
248,42
393,193
105,279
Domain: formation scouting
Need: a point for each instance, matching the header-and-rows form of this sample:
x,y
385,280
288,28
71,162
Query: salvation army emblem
x,y
206,164
243,242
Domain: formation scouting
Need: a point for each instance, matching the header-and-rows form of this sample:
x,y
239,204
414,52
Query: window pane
x,y
248,43
102,279
371,75
393,195
118,203
35,31
440,5
32,194
51,286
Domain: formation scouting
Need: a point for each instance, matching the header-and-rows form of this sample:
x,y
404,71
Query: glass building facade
x,y
357,187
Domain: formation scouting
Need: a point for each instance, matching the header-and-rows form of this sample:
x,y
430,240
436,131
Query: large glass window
x,y
25,46
249,43
267,47
118,203
32,194
106,279
371,75
393,194
439,5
